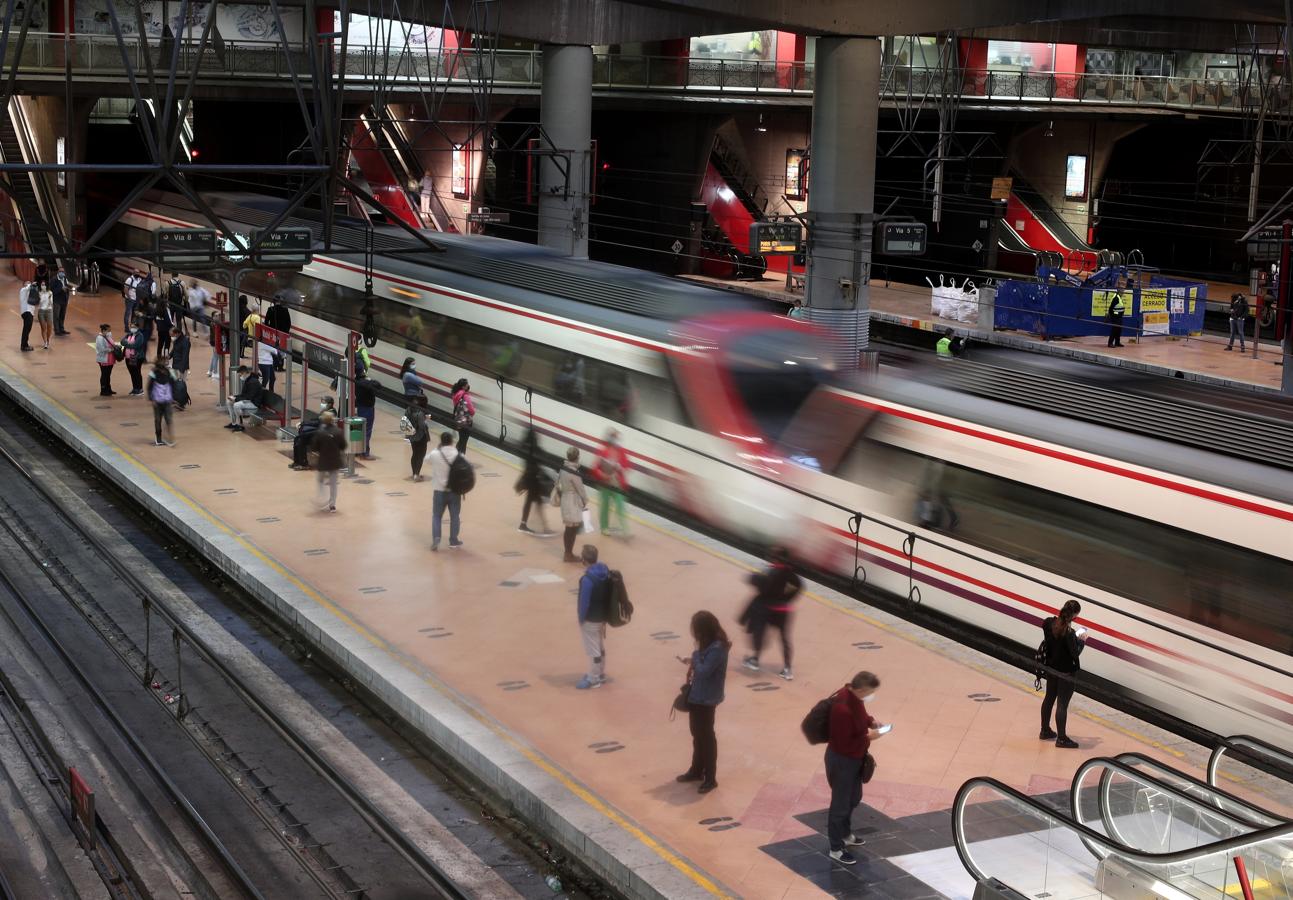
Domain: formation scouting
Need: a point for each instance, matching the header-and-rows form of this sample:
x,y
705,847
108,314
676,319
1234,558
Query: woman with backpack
x,y
535,483
706,677
1062,644
106,356
464,412
420,436
161,391
572,497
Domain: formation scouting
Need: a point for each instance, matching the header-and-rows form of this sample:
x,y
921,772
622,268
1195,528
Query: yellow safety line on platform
x,y
583,793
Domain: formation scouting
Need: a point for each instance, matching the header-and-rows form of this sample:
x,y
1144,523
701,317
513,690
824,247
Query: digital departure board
x,y
776,238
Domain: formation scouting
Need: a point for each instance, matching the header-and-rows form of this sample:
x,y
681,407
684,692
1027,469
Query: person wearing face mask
x,y
134,346
464,412
611,472
1062,645
851,734
409,379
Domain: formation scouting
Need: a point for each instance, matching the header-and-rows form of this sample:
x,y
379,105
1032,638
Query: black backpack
x,y
1040,662
175,293
462,477
817,724
619,611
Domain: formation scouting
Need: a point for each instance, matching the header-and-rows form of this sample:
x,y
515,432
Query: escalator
x,y
384,171
1033,222
40,236
1142,830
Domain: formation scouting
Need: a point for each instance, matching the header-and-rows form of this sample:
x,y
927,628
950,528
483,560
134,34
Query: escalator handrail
x,y
1110,765
1229,846
1240,742
1261,817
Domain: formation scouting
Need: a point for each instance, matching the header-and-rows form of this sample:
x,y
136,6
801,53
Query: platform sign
x,y
272,336
1001,188
902,238
185,248
776,238
1264,246
324,360
82,800
486,216
284,247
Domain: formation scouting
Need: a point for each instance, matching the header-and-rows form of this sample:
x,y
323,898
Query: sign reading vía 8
x,y
776,238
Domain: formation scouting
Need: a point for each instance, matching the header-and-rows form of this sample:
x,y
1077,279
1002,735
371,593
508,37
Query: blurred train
x,y
990,513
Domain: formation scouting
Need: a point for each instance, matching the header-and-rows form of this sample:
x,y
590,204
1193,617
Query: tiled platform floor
x,y
496,621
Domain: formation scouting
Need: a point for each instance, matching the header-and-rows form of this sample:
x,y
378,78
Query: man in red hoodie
x,y
611,472
851,734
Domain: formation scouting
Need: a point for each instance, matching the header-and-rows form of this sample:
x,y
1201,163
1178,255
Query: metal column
x,y
566,114
841,196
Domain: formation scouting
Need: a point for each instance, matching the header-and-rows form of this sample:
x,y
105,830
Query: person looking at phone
x,y
1063,645
851,732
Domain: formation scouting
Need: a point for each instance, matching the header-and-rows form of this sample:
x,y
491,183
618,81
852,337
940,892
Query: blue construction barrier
x,y
1155,305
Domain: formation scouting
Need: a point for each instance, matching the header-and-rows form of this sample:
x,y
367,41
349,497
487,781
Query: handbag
x,y
868,768
680,702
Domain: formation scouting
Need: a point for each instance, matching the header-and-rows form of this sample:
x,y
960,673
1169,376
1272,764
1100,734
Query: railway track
x,y
201,769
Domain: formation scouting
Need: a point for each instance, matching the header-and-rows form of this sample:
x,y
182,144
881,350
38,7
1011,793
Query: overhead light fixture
x,y
1050,130
762,126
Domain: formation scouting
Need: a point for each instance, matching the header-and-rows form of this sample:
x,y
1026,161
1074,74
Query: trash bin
x,y
355,433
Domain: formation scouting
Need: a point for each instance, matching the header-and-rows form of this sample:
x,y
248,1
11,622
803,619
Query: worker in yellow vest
x,y
944,346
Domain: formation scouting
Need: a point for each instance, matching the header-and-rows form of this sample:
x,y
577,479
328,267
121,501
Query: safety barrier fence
x,y
252,60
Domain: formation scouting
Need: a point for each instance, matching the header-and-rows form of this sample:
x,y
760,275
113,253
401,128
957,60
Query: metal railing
x,y
251,60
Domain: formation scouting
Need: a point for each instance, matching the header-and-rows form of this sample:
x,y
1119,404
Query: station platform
x,y
479,649
1203,359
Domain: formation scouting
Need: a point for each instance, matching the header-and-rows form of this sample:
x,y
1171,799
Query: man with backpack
x,y
594,600
451,477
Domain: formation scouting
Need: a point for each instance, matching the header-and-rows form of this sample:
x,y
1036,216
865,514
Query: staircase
x,y
34,225
738,178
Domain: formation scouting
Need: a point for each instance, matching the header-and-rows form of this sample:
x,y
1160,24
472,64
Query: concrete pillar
x,y
567,118
841,193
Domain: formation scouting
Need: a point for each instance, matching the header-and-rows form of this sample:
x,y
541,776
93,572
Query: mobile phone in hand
x,y
1080,632
884,729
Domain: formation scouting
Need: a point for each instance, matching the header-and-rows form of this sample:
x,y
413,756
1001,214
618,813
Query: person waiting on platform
x,y
409,379
198,297
464,412
419,434
535,483
247,401
851,732
442,497
1114,316
28,303
161,390
133,348
181,347
1238,318
572,497
266,357
366,409
774,601
706,678
594,598
305,434
62,291
1061,646
105,355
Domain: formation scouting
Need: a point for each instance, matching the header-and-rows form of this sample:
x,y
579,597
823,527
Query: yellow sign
x,y
1100,301
1153,300
1001,188
1155,323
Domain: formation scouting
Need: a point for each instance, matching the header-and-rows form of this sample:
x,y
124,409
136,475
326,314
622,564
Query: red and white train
x,y
992,514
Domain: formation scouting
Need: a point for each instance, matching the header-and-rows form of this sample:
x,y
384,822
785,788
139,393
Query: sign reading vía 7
x,y
281,247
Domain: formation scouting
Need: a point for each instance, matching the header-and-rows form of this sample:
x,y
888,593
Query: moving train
x,y
990,513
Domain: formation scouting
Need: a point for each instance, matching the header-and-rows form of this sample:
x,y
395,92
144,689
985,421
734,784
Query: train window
x,y
1222,586
775,372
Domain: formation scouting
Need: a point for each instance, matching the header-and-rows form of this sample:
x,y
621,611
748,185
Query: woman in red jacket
x,y
851,734
611,473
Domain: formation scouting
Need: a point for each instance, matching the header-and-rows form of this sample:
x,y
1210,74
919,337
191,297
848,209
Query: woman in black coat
x,y
1062,645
